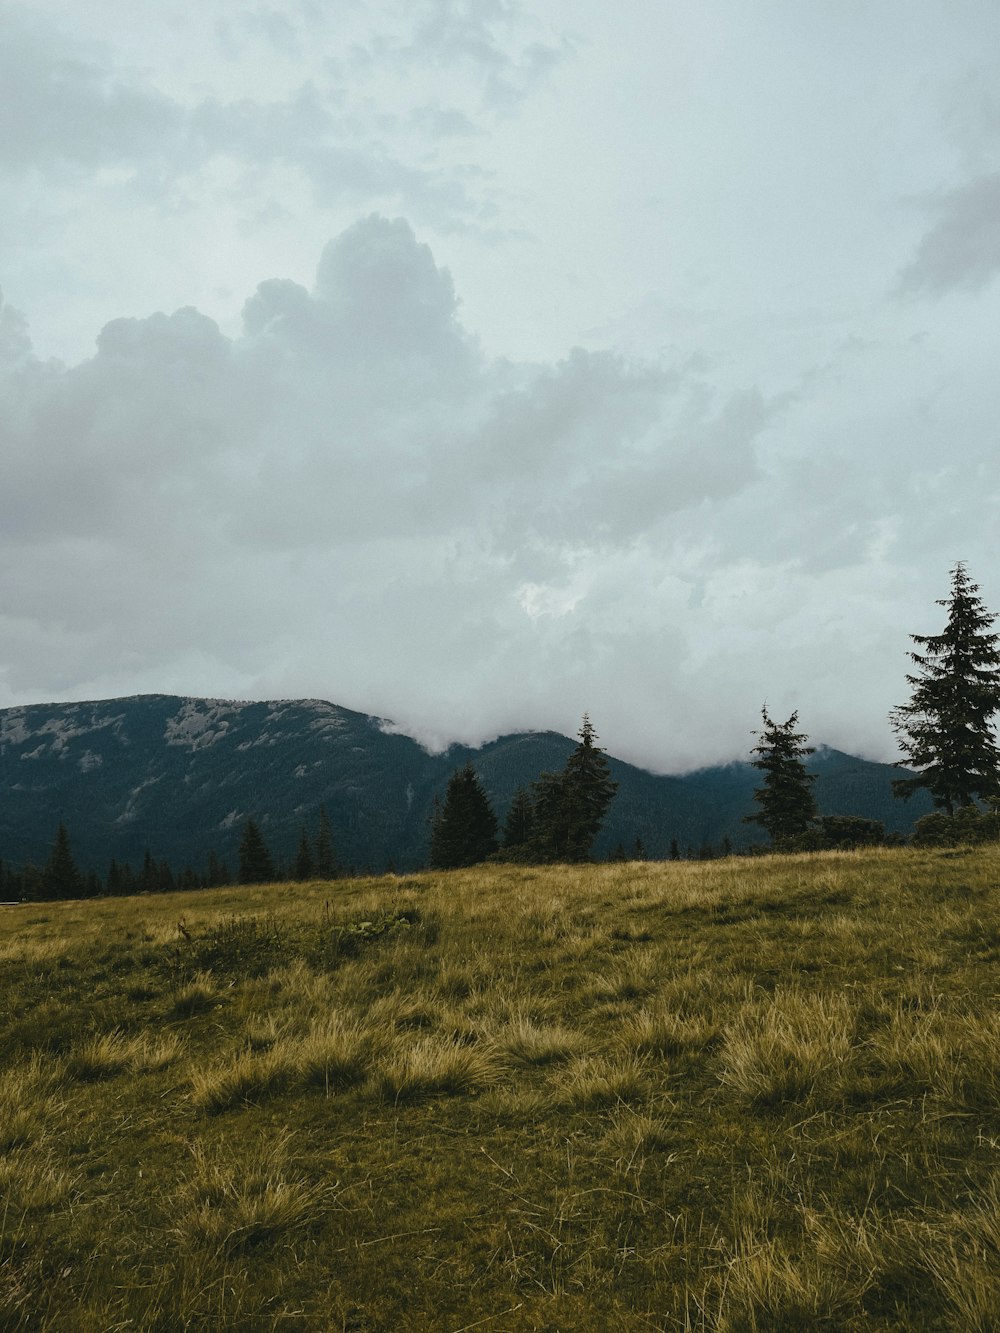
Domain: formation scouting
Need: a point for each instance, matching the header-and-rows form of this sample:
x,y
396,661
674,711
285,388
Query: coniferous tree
x,y
946,729
149,877
520,822
218,871
326,861
60,877
785,796
256,865
303,865
570,806
464,827
675,851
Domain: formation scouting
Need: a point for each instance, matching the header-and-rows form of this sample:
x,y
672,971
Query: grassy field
x,y
733,1095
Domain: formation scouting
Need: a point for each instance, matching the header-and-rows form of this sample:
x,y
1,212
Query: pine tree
x,y
570,806
785,797
520,822
218,871
60,877
256,866
946,729
464,827
149,878
303,865
326,861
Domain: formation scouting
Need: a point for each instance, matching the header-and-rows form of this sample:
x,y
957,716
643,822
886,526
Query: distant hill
x,y
180,775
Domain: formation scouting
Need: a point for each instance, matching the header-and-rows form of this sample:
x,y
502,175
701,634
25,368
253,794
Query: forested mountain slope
x,y
179,775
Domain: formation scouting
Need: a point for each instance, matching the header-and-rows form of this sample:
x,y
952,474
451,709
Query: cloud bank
x,y
351,500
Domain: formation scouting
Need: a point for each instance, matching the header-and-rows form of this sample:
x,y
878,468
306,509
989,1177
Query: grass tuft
x,y
433,1066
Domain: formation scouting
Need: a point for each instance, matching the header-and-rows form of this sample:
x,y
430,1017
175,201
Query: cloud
x,y
961,251
71,112
349,498
65,108
350,482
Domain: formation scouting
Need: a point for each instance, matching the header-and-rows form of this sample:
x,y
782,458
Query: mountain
x,y
179,776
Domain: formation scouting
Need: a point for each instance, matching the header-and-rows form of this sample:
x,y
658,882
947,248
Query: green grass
x,y
735,1096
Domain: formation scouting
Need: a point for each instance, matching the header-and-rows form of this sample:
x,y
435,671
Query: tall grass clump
x,y
245,1079
230,1205
432,1066
791,1046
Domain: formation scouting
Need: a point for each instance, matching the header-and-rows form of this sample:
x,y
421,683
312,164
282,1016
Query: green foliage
x,y
839,833
785,797
256,865
946,729
569,807
968,826
464,827
303,866
519,826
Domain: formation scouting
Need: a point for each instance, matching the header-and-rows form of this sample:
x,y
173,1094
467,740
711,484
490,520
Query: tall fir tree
x,y
326,861
464,827
60,876
218,871
519,825
256,865
785,796
303,865
946,729
570,806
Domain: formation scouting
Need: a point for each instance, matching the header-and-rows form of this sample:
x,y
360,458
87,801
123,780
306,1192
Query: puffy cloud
x,y
349,483
350,499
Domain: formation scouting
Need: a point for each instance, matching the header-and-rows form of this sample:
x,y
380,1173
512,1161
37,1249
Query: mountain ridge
x,y
179,774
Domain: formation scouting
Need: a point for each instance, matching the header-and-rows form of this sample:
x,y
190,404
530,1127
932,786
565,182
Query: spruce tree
x,y
464,827
520,822
326,861
218,871
946,729
785,797
256,865
303,865
60,877
570,806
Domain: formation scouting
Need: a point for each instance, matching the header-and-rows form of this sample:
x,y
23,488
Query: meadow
x,y
747,1094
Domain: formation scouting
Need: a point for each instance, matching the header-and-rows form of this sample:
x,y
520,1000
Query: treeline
x,y
945,731
61,878
557,820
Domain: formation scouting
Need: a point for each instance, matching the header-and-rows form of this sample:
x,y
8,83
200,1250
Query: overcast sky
x,y
475,362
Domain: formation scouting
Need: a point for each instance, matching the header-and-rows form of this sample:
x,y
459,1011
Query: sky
x,y
476,363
